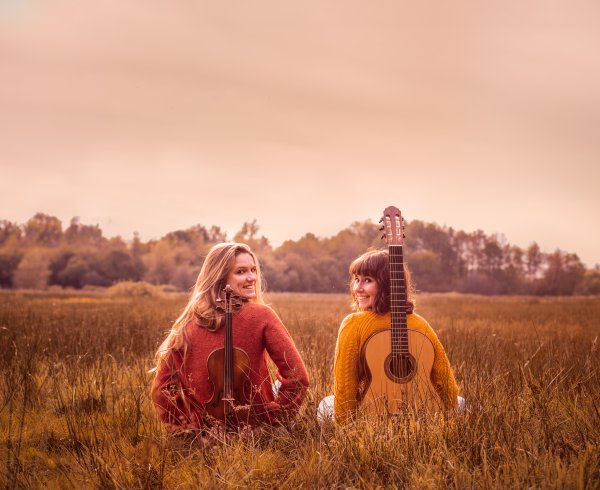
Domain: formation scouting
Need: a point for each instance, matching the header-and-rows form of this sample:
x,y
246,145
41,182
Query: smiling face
x,y
364,289
242,276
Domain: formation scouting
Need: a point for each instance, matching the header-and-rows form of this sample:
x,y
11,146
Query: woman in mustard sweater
x,y
370,289
182,388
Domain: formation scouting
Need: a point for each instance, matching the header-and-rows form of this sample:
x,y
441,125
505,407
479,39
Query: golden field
x,y
75,411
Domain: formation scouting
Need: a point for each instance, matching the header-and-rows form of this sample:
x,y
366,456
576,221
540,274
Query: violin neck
x,y
228,364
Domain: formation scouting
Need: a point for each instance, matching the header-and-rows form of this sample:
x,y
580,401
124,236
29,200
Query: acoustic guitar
x,y
398,360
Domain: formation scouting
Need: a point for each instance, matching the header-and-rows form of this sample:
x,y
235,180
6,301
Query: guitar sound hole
x,y
400,367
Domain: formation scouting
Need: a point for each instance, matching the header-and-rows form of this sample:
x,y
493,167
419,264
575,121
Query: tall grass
x,y
75,413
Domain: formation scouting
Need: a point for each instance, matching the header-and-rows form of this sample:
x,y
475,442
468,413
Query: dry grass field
x,y
75,412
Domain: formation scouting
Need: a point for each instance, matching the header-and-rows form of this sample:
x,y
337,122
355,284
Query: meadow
x,y
75,411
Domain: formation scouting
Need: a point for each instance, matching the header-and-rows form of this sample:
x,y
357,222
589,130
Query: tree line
x,y
40,253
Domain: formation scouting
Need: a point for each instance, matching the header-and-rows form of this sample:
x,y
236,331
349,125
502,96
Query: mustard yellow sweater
x,y
352,335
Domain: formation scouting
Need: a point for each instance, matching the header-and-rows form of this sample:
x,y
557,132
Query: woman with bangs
x,y
182,388
370,290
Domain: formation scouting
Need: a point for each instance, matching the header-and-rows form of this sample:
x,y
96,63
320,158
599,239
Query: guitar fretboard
x,y
398,300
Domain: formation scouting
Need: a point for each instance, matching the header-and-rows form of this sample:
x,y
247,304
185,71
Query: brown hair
x,y
376,264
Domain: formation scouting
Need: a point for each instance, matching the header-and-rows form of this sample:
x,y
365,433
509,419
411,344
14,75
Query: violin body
x,y
220,406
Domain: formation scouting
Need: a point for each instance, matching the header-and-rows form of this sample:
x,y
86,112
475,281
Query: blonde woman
x,y
182,389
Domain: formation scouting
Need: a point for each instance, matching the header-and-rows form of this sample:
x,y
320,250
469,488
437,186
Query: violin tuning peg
x,y
381,228
381,219
383,235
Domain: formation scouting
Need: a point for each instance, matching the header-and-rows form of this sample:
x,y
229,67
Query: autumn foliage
x,y
40,253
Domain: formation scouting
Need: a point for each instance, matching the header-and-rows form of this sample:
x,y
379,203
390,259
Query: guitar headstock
x,y
393,226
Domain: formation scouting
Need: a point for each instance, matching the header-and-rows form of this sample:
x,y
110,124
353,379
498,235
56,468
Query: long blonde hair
x,y
202,305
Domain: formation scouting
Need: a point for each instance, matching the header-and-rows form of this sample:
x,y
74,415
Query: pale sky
x,y
153,116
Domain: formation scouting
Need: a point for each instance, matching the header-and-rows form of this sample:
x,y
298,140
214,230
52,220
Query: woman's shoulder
x,y
417,319
364,320
417,322
257,311
355,317
193,329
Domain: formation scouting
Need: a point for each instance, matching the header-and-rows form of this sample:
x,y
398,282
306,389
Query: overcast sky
x,y
153,116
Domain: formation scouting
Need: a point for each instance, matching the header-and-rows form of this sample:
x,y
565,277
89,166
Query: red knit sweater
x,y
181,389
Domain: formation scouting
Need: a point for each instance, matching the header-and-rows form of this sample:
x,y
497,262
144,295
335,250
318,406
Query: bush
x,y
134,289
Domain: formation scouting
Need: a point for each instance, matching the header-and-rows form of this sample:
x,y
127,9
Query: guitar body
x,y
399,382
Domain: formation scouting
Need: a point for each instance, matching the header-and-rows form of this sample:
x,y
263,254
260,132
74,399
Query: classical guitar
x,y
228,370
398,360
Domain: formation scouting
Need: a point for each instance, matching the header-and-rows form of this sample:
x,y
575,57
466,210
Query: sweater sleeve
x,y
442,376
345,371
291,370
168,395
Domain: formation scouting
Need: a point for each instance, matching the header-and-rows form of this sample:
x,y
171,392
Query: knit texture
x,y
354,331
181,389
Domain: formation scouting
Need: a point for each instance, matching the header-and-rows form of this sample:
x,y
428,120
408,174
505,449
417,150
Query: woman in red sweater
x,y
182,387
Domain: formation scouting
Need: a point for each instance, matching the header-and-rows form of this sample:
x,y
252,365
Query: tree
x,y
426,270
9,261
492,256
117,265
9,231
57,265
512,276
137,249
33,270
533,260
43,230
563,274
83,235
160,263
430,237
76,273
216,235
248,234
590,283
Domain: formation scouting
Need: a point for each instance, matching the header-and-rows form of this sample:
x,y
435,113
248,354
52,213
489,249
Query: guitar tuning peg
x,y
381,219
403,235
381,228
383,235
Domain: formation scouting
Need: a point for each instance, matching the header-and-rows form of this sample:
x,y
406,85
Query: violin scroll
x,y
228,300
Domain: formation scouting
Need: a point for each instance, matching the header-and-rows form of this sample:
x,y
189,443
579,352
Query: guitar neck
x,y
398,300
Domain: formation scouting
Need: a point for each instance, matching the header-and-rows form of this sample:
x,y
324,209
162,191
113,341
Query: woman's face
x,y
365,290
242,276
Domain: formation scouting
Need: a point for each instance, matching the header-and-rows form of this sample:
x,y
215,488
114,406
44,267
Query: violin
x,y
229,371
